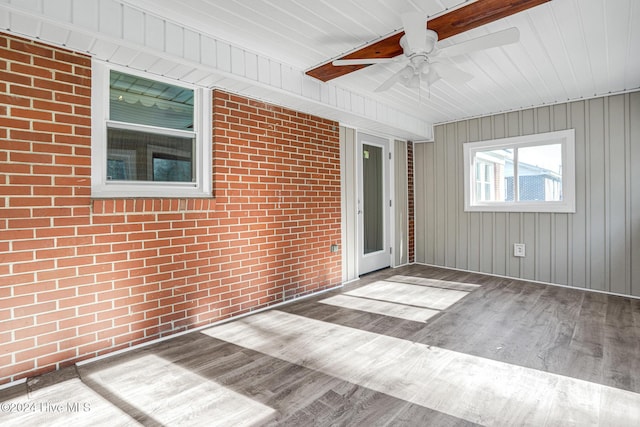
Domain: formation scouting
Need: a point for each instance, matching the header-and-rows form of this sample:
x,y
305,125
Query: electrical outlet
x,y
334,248
518,249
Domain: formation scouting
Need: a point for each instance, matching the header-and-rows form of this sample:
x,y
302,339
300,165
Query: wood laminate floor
x,y
410,346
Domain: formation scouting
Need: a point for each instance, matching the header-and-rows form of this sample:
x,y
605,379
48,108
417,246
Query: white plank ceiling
x,y
568,49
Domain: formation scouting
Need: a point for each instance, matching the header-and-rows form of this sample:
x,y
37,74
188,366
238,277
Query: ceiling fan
x,y
458,20
420,53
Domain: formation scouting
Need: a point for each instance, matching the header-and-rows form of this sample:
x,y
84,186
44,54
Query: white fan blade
x,y
449,73
499,38
389,82
415,28
363,61
405,73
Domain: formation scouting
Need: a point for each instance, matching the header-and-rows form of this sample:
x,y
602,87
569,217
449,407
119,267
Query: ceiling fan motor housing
x,y
431,39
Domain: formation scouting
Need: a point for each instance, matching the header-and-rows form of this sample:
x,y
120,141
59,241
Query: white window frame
x,y
103,188
565,138
484,180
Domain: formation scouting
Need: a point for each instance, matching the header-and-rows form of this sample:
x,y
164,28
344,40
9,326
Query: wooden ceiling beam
x,y
458,21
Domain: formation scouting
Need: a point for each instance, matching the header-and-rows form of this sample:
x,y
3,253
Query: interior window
x,y
534,173
152,137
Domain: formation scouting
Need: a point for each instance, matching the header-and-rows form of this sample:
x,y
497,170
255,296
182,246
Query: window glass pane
x,y
482,168
171,169
540,173
494,175
506,179
140,156
142,101
373,203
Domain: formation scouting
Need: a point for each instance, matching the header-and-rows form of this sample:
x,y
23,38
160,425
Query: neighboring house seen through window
x,y
533,173
151,136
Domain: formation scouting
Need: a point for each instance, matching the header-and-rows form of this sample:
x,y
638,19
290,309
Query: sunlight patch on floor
x,y
66,403
172,395
404,297
408,294
401,311
479,390
423,281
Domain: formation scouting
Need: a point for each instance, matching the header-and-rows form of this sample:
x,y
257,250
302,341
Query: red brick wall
x,y
82,277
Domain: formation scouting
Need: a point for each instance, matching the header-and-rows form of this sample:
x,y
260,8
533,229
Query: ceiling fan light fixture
x,y
407,72
431,76
414,82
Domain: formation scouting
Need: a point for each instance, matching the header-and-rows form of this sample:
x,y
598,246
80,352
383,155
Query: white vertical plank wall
x,y
349,188
598,247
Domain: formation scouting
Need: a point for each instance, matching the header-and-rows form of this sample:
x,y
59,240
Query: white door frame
x,y
383,258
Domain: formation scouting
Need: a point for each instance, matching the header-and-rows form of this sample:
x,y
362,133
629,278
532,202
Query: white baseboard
x,y
200,328
529,280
